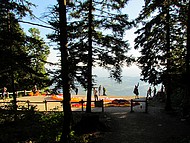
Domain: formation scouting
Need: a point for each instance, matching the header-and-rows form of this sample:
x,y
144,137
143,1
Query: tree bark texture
x,y
64,72
89,78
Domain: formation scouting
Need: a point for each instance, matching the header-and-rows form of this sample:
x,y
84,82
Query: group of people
x,y
96,92
5,94
149,92
99,91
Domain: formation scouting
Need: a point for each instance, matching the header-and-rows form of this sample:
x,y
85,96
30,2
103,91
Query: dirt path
x,y
153,127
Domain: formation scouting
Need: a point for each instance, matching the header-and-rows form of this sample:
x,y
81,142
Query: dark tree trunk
x,y
186,100
168,82
64,72
89,77
9,26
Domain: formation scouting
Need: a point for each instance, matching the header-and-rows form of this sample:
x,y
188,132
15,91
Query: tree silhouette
x,y
65,72
109,49
11,38
186,100
17,59
161,40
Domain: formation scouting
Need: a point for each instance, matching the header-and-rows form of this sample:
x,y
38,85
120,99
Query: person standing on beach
x,y
136,91
95,94
99,90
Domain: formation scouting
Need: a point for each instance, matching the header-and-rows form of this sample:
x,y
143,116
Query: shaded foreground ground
x,y
156,126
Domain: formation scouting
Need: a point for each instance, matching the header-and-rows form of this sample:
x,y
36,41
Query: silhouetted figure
x,y
5,94
99,90
162,88
136,91
104,91
149,92
154,92
95,94
76,91
34,89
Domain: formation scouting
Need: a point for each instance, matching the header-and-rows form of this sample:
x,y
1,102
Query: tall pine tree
x,y
15,49
109,49
161,42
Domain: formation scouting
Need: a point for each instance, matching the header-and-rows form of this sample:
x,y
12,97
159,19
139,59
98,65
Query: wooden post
x,y
82,104
132,105
102,105
146,105
62,104
28,102
45,105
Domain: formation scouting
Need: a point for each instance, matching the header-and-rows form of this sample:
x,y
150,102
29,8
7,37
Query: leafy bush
x,y
34,126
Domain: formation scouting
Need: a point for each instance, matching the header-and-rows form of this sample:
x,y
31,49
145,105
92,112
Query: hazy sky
x,y
133,9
